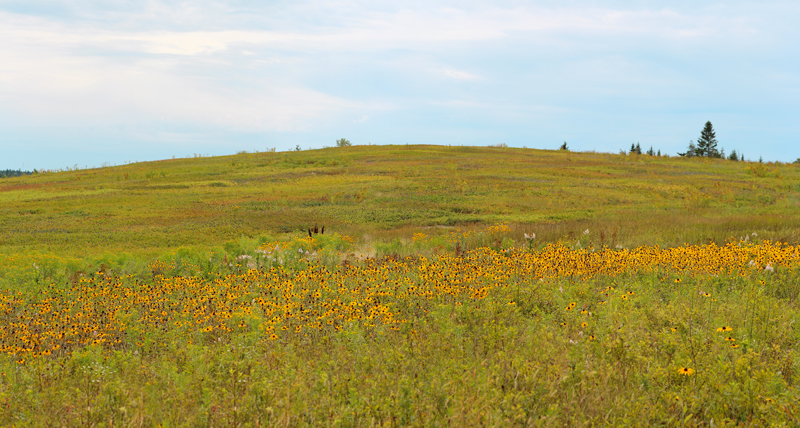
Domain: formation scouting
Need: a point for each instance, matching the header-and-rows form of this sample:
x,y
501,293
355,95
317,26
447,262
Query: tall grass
x,y
187,293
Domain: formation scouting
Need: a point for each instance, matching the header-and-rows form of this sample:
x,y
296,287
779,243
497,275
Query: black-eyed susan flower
x,y
725,329
686,371
730,339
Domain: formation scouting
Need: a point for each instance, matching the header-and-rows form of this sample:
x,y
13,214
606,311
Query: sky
x,y
92,83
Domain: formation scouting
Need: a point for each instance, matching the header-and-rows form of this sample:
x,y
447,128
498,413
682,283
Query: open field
x,y
657,291
378,190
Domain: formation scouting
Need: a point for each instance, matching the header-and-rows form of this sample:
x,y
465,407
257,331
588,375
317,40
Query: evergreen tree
x,y
564,146
707,143
638,149
13,173
659,153
651,152
691,151
633,149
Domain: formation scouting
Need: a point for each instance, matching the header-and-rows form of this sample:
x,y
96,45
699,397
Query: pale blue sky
x,y
88,82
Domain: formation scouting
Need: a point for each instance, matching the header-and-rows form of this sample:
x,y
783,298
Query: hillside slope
x,y
378,190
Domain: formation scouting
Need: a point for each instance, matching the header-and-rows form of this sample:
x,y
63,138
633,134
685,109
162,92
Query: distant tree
x,y
707,143
13,173
297,148
659,153
741,157
651,152
797,161
343,143
564,146
733,156
691,151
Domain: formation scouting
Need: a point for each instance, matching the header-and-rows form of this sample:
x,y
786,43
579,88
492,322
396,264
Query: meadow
x,y
453,286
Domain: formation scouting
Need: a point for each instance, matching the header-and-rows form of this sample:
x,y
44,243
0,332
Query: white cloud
x,y
459,75
301,66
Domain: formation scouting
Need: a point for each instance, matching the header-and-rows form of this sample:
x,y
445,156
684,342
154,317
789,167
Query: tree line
x,y
13,173
707,146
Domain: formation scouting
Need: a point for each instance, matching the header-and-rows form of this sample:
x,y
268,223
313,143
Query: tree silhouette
x,y
707,143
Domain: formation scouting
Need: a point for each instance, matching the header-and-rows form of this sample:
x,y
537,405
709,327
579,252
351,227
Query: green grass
x,y
513,358
460,362
377,190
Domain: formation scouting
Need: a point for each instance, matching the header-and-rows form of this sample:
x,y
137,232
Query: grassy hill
x,y
184,293
386,192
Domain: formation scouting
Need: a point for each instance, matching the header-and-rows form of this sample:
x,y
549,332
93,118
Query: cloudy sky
x,y
92,82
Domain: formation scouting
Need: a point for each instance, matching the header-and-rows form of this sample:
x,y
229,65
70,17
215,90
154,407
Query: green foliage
x,y
503,360
706,144
148,209
14,173
343,143
564,146
515,358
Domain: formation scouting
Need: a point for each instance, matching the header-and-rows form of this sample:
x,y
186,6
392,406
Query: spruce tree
x,y
707,143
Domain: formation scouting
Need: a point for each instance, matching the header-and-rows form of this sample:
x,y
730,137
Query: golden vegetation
x,y
126,313
654,291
